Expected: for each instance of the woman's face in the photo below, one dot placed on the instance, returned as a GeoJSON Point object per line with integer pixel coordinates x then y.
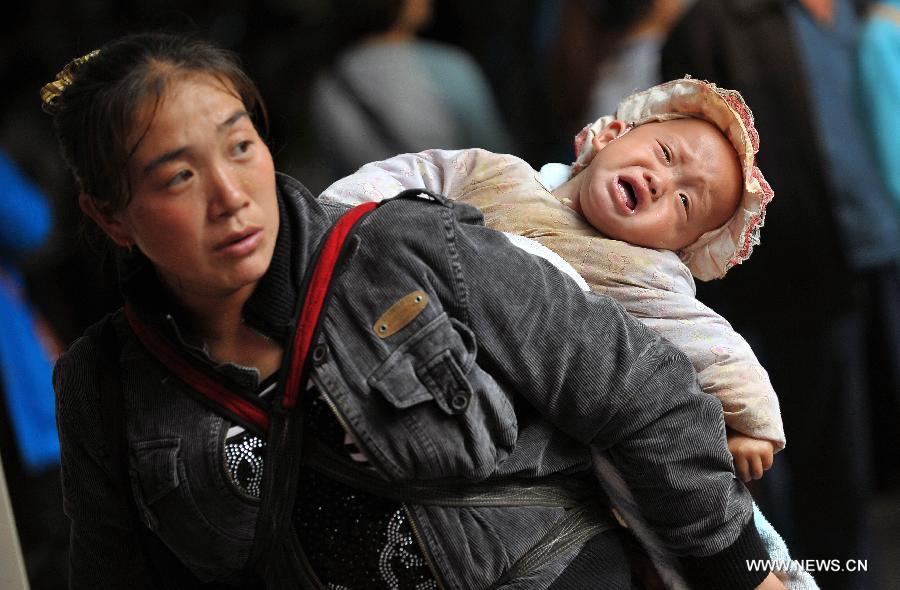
{"type": "Point", "coordinates": [203, 207]}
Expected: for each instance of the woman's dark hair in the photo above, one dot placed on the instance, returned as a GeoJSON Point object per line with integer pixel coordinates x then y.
{"type": "Point", "coordinates": [95, 113]}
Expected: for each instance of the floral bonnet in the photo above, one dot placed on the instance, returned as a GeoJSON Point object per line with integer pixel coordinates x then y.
{"type": "Point", "coordinates": [717, 250]}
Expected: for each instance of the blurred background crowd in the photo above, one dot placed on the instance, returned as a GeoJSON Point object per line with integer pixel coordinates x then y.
{"type": "Point", "coordinates": [351, 81]}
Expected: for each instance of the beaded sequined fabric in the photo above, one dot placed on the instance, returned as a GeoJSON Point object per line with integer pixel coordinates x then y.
{"type": "Point", "coordinates": [352, 539]}
{"type": "Point", "coordinates": [245, 452]}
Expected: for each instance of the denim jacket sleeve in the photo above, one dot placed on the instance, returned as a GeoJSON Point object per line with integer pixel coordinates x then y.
{"type": "Point", "coordinates": [592, 369]}
{"type": "Point", "coordinates": [104, 549]}
{"type": "Point", "coordinates": [608, 381]}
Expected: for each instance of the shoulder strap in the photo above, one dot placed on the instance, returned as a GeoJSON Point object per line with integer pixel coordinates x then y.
{"type": "Point", "coordinates": [284, 441]}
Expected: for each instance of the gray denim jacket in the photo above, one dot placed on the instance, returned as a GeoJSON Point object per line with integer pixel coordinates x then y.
{"type": "Point", "coordinates": [508, 370]}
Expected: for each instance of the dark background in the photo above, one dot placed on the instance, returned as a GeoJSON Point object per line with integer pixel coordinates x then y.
{"type": "Point", "coordinates": [283, 44]}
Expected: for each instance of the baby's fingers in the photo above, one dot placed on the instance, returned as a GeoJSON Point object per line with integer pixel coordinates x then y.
{"type": "Point", "coordinates": [741, 468]}
{"type": "Point", "coordinates": [767, 460]}
{"type": "Point", "coordinates": [756, 467]}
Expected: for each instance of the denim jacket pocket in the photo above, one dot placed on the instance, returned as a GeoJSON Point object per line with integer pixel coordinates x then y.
{"type": "Point", "coordinates": [153, 474]}
{"type": "Point", "coordinates": [207, 542]}
{"type": "Point", "coordinates": [450, 418]}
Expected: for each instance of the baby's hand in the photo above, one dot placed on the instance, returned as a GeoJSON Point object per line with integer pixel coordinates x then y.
{"type": "Point", "coordinates": [751, 455]}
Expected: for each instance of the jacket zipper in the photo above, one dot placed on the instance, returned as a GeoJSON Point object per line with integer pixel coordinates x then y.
{"type": "Point", "coordinates": [414, 527]}
{"type": "Point", "coordinates": [344, 424]}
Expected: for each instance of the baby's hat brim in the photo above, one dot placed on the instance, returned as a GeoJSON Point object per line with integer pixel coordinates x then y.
{"type": "Point", "coordinates": [716, 251]}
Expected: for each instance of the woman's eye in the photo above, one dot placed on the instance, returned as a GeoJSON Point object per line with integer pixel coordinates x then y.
{"type": "Point", "coordinates": [180, 177]}
{"type": "Point", "coordinates": [685, 202]}
{"type": "Point", "coordinates": [242, 147]}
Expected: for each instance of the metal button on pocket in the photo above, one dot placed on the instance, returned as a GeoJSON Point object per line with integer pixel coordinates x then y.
{"type": "Point", "coordinates": [459, 401]}
{"type": "Point", "coordinates": [320, 354]}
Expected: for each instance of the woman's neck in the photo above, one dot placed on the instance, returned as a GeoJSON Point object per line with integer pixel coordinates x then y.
{"type": "Point", "coordinates": [218, 321]}
{"type": "Point", "coordinates": [214, 317]}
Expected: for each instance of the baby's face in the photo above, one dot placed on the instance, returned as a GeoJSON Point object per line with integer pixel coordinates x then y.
{"type": "Point", "coordinates": [661, 185]}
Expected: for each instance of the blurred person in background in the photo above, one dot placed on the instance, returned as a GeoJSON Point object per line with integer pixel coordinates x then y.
{"type": "Point", "coordinates": [820, 321]}
{"type": "Point", "coordinates": [636, 63]}
{"type": "Point", "coordinates": [879, 67]}
{"type": "Point", "coordinates": [391, 92]}
{"type": "Point", "coordinates": [572, 38]}
{"type": "Point", "coordinates": [28, 440]}
{"type": "Point", "coordinates": [879, 90]}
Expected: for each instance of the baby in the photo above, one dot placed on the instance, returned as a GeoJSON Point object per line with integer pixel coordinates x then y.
{"type": "Point", "coordinates": [666, 189]}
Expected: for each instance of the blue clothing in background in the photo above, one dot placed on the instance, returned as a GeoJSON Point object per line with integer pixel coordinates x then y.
{"type": "Point", "coordinates": [868, 220]}
{"type": "Point", "coordinates": [25, 369]}
{"type": "Point", "coordinates": [879, 88]}
{"type": "Point", "coordinates": [26, 218]}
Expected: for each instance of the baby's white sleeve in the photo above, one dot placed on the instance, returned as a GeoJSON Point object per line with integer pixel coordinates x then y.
{"type": "Point", "coordinates": [436, 170]}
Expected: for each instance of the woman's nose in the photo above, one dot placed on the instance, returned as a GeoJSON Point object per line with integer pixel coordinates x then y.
{"type": "Point", "coordinates": [226, 194]}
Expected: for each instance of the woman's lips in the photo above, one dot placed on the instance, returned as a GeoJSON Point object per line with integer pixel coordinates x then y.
{"type": "Point", "coordinates": [241, 244]}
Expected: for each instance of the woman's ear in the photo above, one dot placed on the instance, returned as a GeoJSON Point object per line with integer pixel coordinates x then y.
{"type": "Point", "coordinates": [613, 129]}
{"type": "Point", "coordinates": [110, 223]}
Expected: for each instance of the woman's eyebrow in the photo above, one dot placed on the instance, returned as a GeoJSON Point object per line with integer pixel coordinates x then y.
{"type": "Point", "coordinates": [166, 157]}
{"type": "Point", "coordinates": [230, 121]}
{"type": "Point", "coordinates": [177, 152]}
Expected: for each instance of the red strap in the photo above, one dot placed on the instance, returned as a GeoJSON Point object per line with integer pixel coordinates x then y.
{"type": "Point", "coordinates": [199, 381]}
{"type": "Point", "coordinates": [315, 298]}
{"type": "Point", "coordinates": [218, 394]}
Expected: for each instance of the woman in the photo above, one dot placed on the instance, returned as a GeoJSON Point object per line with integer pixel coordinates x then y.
{"type": "Point", "coordinates": [444, 436]}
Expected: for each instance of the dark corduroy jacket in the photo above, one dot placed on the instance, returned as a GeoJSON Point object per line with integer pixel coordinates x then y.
{"type": "Point", "coordinates": [509, 371]}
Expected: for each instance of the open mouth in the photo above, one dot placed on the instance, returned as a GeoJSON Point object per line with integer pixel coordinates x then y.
{"type": "Point", "coordinates": [630, 199]}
